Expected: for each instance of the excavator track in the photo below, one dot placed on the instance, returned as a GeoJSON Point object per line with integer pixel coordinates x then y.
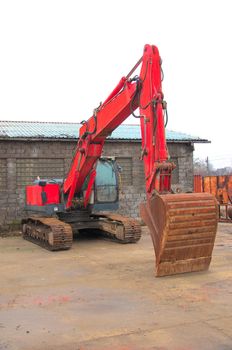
{"type": "Point", "coordinates": [119, 228]}
{"type": "Point", "coordinates": [49, 233]}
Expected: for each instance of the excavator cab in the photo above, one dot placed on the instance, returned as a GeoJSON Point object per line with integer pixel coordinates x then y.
{"type": "Point", "coordinates": [106, 186]}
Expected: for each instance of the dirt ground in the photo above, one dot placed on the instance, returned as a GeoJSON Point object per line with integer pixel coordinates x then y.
{"type": "Point", "coordinates": [103, 295]}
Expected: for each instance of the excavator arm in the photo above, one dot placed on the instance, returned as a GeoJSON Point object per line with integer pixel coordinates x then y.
{"type": "Point", "coordinates": [142, 91]}
{"type": "Point", "coordinates": [182, 226]}
{"type": "Point", "coordinates": [106, 118]}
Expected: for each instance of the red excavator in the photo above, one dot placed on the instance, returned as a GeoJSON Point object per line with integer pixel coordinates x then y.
{"type": "Point", "coordinates": [182, 226]}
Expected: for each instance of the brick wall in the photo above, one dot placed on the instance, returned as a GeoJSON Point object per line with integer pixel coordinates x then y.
{"type": "Point", "coordinates": [22, 161]}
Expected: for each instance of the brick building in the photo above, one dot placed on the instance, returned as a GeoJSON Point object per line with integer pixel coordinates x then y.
{"type": "Point", "coordinates": [31, 149]}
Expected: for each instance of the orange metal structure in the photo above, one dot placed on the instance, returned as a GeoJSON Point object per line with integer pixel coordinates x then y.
{"type": "Point", "coordinates": [221, 187]}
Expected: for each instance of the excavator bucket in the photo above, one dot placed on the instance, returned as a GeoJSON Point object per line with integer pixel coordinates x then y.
{"type": "Point", "coordinates": [183, 230]}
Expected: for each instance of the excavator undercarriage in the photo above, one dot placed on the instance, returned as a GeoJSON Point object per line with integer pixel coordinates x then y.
{"type": "Point", "coordinates": [57, 234]}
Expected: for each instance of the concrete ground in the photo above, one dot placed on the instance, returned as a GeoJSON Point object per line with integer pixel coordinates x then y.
{"type": "Point", "coordinates": [103, 295]}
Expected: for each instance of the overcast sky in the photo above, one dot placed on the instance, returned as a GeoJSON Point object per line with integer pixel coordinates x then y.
{"type": "Point", "coordinates": [59, 59]}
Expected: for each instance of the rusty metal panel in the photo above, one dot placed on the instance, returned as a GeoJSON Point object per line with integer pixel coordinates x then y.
{"type": "Point", "coordinates": [229, 188]}
{"type": "Point", "coordinates": [210, 185]}
{"type": "Point", "coordinates": [220, 187]}
{"type": "Point", "coordinates": [224, 193]}
{"type": "Point", "coordinates": [198, 184]}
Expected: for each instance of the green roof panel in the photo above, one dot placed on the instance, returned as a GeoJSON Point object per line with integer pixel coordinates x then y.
{"type": "Point", "coordinates": [56, 130]}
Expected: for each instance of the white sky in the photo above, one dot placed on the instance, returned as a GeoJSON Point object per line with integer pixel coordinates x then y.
{"type": "Point", "coordinates": [59, 59]}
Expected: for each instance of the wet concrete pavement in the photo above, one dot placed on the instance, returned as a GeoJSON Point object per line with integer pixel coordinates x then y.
{"type": "Point", "coordinates": [103, 295]}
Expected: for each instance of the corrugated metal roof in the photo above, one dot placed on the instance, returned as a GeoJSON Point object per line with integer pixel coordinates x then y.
{"type": "Point", "coordinates": [52, 130]}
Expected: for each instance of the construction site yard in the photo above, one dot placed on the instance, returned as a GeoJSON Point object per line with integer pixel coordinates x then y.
{"type": "Point", "coordinates": [102, 295]}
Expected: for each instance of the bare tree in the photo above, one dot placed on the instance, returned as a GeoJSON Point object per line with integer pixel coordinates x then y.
{"type": "Point", "coordinates": [202, 167]}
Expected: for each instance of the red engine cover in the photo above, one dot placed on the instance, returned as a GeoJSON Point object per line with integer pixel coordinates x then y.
{"type": "Point", "coordinates": [34, 194]}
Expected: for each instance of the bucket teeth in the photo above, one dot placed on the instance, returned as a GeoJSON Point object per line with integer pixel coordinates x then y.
{"type": "Point", "coordinates": [183, 230]}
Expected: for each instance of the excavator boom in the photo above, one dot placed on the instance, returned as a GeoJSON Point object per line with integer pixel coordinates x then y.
{"type": "Point", "coordinates": [182, 226]}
